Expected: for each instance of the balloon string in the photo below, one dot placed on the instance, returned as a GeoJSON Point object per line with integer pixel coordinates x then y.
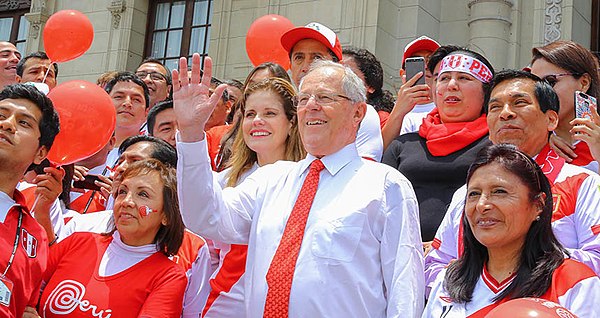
{"type": "Point", "coordinates": [47, 71]}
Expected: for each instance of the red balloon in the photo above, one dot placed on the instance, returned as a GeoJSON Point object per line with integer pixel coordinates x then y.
{"type": "Point", "coordinates": [530, 307]}
{"type": "Point", "coordinates": [263, 40]}
{"type": "Point", "coordinates": [67, 35]}
{"type": "Point", "coordinates": [87, 121]}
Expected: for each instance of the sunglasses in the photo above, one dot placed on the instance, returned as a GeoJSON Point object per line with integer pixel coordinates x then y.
{"type": "Point", "coordinates": [552, 79]}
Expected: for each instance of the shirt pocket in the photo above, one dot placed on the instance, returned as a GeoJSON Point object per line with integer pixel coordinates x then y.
{"type": "Point", "coordinates": [338, 239]}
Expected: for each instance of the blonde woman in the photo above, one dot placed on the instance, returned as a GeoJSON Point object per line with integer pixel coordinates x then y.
{"type": "Point", "coordinates": [269, 133]}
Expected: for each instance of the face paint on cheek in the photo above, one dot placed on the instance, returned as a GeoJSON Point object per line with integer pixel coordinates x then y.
{"type": "Point", "coordinates": [145, 211]}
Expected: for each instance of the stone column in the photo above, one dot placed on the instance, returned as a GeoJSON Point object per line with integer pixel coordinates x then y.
{"type": "Point", "coordinates": [489, 29]}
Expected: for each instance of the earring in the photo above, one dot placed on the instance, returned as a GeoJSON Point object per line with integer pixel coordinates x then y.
{"type": "Point", "coordinates": [537, 218]}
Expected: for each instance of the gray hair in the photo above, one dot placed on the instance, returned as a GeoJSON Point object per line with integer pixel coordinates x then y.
{"type": "Point", "coordinates": [352, 85]}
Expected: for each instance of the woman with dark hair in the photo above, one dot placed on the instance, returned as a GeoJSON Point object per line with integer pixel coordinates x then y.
{"type": "Point", "coordinates": [127, 272]}
{"type": "Point", "coordinates": [268, 133]}
{"type": "Point", "coordinates": [220, 140]}
{"type": "Point", "coordinates": [510, 250]}
{"type": "Point", "coordinates": [436, 158]}
{"type": "Point", "coordinates": [569, 67]}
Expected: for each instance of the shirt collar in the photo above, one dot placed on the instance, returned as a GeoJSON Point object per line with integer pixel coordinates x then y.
{"type": "Point", "coordinates": [7, 203]}
{"type": "Point", "coordinates": [334, 162]}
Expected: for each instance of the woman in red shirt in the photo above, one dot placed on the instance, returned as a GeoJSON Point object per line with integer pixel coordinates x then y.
{"type": "Point", "coordinates": [125, 273]}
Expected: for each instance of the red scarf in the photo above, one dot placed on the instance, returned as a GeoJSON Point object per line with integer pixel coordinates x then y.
{"type": "Point", "coordinates": [584, 155]}
{"type": "Point", "coordinates": [550, 162]}
{"type": "Point", "coordinates": [444, 139]}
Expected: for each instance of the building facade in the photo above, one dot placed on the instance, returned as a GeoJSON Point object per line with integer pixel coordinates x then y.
{"type": "Point", "coordinates": [126, 31]}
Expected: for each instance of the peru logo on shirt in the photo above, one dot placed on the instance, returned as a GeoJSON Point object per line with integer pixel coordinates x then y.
{"type": "Point", "coordinates": [29, 243]}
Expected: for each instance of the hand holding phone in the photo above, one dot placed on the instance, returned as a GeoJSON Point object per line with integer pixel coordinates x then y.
{"type": "Point", "coordinates": [87, 183]}
{"type": "Point", "coordinates": [583, 105]}
{"type": "Point", "coordinates": [414, 65]}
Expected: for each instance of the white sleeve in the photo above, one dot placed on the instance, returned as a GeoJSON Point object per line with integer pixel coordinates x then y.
{"type": "Point", "coordinates": [587, 222]}
{"type": "Point", "coordinates": [369, 141]}
{"type": "Point", "coordinates": [202, 201]}
{"type": "Point", "coordinates": [402, 251]}
{"type": "Point", "coordinates": [198, 287]}
{"type": "Point", "coordinates": [445, 244]}
{"type": "Point", "coordinates": [580, 299]}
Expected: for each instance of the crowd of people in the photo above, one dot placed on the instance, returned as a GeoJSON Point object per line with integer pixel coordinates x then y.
{"type": "Point", "coordinates": [316, 193]}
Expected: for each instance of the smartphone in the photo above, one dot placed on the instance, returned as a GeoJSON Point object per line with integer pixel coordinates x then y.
{"type": "Point", "coordinates": [39, 169]}
{"type": "Point", "coordinates": [414, 65]}
{"type": "Point", "coordinates": [583, 105]}
{"type": "Point", "coordinates": [87, 183]}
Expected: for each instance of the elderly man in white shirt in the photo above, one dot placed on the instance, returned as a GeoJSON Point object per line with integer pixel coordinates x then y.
{"type": "Point", "coordinates": [358, 252]}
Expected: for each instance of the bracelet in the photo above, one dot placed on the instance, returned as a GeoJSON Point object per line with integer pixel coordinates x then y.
{"type": "Point", "coordinates": [54, 240]}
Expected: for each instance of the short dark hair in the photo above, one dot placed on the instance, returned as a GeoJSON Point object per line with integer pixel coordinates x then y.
{"type": "Point", "coordinates": [159, 62]}
{"type": "Point", "coordinates": [544, 93]}
{"type": "Point", "coordinates": [49, 124]}
{"type": "Point", "coordinates": [162, 150]}
{"type": "Point", "coordinates": [39, 55]}
{"type": "Point", "coordinates": [439, 54]}
{"type": "Point", "coordinates": [371, 68]}
{"type": "Point", "coordinates": [235, 83]}
{"type": "Point", "coordinates": [368, 64]}
{"type": "Point", "coordinates": [154, 111]}
{"type": "Point", "coordinates": [129, 77]}
{"type": "Point", "coordinates": [541, 254]}
{"type": "Point", "coordinates": [214, 82]}
{"type": "Point", "coordinates": [169, 237]}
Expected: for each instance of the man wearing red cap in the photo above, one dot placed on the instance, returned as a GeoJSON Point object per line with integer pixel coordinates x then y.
{"type": "Point", "coordinates": [318, 42]}
{"type": "Point", "coordinates": [416, 99]}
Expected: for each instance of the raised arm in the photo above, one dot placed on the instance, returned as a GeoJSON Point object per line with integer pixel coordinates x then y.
{"type": "Point", "coordinates": [204, 207]}
{"type": "Point", "coordinates": [191, 101]}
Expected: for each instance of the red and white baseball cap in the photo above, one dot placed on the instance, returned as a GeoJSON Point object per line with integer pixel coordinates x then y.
{"type": "Point", "coordinates": [314, 31]}
{"type": "Point", "coordinates": [422, 43]}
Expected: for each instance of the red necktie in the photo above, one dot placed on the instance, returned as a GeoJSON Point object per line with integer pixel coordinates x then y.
{"type": "Point", "coordinates": [281, 271]}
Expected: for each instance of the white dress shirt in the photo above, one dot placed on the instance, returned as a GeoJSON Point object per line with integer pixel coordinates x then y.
{"type": "Point", "coordinates": [361, 254]}
{"type": "Point", "coordinates": [369, 141]}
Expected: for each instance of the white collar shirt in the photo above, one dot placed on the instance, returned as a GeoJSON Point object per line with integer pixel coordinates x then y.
{"type": "Point", "coordinates": [361, 254]}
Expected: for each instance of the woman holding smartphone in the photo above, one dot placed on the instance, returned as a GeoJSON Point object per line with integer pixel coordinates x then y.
{"type": "Point", "coordinates": [569, 67]}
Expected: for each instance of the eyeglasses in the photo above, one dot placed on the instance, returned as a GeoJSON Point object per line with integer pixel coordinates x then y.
{"type": "Point", "coordinates": [552, 79]}
{"type": "Point", "coordinates": [301, 100]}
{"type": "Point", "coordinates": [155, 76]}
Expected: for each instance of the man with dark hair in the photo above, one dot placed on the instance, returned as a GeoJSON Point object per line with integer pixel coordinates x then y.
{"type": "Point", "coordinates": [234, 89]}
{"type": "Point", "coordinates": [37, 68]}
{"type": "Point", "coordinates": [307, 44]}
{"type": "Point", "coordinates": [158, 79]}
{"type": "Point", "coordinates": [162, 123]}
{"type": "Point", "coordinates": [219, 114]}
{"type": "Point", "coordinates": [9, 58]}
{"type": "Point", "coordinates": [364, 64]}
{"type": "Point", "coordinates": [28, 126]}
{"type": "Point", "coordinates": [130, 97]}
{"type": "Point", "coordinates": [523, 111]}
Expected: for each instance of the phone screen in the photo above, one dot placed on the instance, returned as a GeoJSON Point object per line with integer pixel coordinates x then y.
{"type": "Point", "coordinates": [87, 183]}
{"type": "Point", "coordinates": [414, 65]}
{"type": "Point", "coordinates": [583, 105]}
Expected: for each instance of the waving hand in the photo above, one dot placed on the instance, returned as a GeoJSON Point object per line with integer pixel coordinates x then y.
{"type": "Point", "coordinates": [192, 102]}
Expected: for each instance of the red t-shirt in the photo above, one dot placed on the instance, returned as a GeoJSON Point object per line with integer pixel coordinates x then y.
{"type": "Point", "coordinates": [213, 139]}
{"type": "Point", "coordinates": [153, 287]}
{"type": "Point", "coordinates": [30, 259]}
